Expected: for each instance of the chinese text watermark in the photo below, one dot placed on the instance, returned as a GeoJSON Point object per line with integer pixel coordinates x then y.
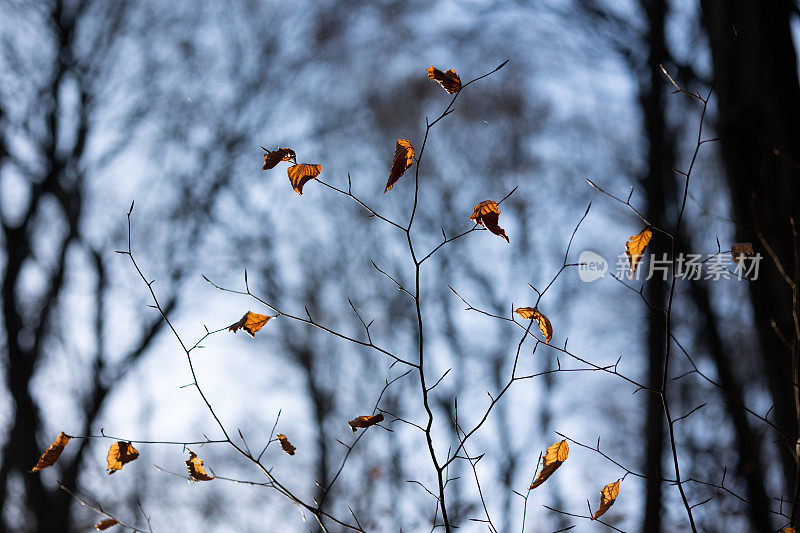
{"type": "Point", "coordinates": [691, 267]}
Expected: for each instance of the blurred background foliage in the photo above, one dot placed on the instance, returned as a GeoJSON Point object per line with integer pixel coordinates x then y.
{"type": "Point", "coordinates": [166, 103]}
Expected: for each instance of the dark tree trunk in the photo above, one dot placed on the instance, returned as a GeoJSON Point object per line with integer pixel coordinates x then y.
{"type": "Point", "coordinates": [659, 188]}
{"type": "Point", "coordinates": [748, 446]}
{"type": "Point", "coordinates": [759, 126]}
{"type": "Point", "coordinates": [24, 345]}
{"type": "Point", "coordinates": [56, 177]}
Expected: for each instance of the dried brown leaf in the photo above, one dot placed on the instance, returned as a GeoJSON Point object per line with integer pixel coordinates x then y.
{"type": "Point", "coordinates": [403, 159]}
{"type": "Point", "coordinates": [119, 454]}
{"type": "Point", "coordinates": [545, 327]}
{"type": "Point", "coordinates": [102, 525]}
{"type": "Point", "coordinates": [449, 80]}
{"type": "Point", "coordinates": [741, 250]}
{"type": "Point", "coordinates": [272, 158]}
{"type": "Point", "coordinates": [300, 174]}
{"type": "Point", "coordinates": [196, 470]}
{"type": "Point", "coordinates": [250, 322]}
{"type": "Point", "coordinates": [285, 444]}
{"type": "Point", "coordinates": [52, 453]}
{"type": "Point", "coordinates": [607, 498]}
{"type": "Point", "coordinates": [554, 457]}
{"type": "Point", "coordinates": [635, 247]}
{"type": "Point", "coordinates": [365, 421]}
{"type": "Point", "coordinates": [487, 214]}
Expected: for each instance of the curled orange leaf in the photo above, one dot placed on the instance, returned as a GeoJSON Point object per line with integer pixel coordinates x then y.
{"type": "Point", "coordinates": [487, 214]}
{"type": "Point", "coordinates": [635, 247]}
{"type": "Point", "coordinates": [449, 80]}
{"type": "Point", "coordinates": [555, 455]}
{"type": "Point", "coordinates": [251, 322]}
{"type": "Point", "coordinates": [545, 327]}
{"type": "Point", "coordinates": [272, 158]}
{"type": "Point", "coordinates": [607, 498]}
{"type": "Point", "coordinates": [196, 470]}
{"type": "Point", "coordinates": [52, 453]}
{"type": "Point", "coordinates": [285, 444]}
{"type": "Point", "coordinates": [102, 525]}
{"type": "Point", "coordinates": [119, 454]}
{"type": "Point", "coordinates": [403, 159]}
{"type": "Point", "coordinates": [365, 421]}
{"type": "Point", "coordinates": [300, 174]}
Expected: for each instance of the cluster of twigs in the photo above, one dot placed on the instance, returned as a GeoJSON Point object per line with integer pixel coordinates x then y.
{"type": "Point", "coordinates": [418, 365]}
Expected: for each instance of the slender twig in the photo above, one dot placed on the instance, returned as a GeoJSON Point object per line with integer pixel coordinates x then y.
{"type": "Point", "coordinates": [587, 517]}
{"type": "Point", "coordinates": [417, 296]}
{"type": "Point", "coordinates": [99, 510]}
{"type": "Point", "coordinates": [315, 510]}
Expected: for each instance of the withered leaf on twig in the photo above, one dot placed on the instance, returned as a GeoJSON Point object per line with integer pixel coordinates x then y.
{"type": "Point", "coordinates": [449, 80]}
{"type": "Point", "coordinates": [300, 174]}
{"type": "Point", "coordinates": [196, 470]}
{"type": "Point", "coordinates": [403, 159]}
{"type": "Point", "coordinates": [285, 444]}
{"type": "Point", "coordinates": [365, 421]}
{"type": "Point", "coordinates": [607, 498]}
{"type": "Point", "coordinates": [119, 454]}
{"type": "Point", "coordinates": [635, 247]}
{"type": "Point", "coordinates": [554, 457]}
{"type": "Point", "coordinates": [251, 322]}
{"type": "Point", "coordinates": [102, 525]}
{"type": "Point", "coordinates": [272, 158]}
{"type": "Point", "coordinates": [544, 323]}
{"type": "Point", "coordinates": [487, 214]}
{"type": "Point", "coordinates": [741, 250]}
{"type": "Point", "coordinates": [52, 453]}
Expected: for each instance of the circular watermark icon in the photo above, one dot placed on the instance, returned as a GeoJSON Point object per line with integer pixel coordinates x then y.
{"type": "Point", "coordinates": [591, 266]}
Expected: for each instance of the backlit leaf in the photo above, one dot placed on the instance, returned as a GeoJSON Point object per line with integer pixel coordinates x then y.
{"type": "Point", "coordinates": [607, 498]}
{"type": "Point", "coordinates": [449, 80]}
{"type": "Point", "coordinates": [119, 454]}
{"type": "Point", "coordinates": [52, 453]}
{"type": "Point", "coordinates": [196, 470]}
{"type": "Point", "coordinates": [102, 525]}
{"type": "Point", "coordinates": [741, 250]}
{"type": "Point", "coordinates": [365, 421]}
{"type": "Point", "coordinates": [300, 174]}
{"type": "Point", "coordinates": [487, 214]}
{"type": "Point", "coordinates": [545, 327]}
{"type": "Point", "coordinates": [272, 158]}
{"type": "Point", "coordinates": [553, 458]}
{"type": "Point", "coordinates": [635, 247]}
{"type": "Point", "coordinates": [251, 322]}
{"type": "Point", "coordinates": [285, 444]}
{"type": "Point", "coordinates": [403, 159]}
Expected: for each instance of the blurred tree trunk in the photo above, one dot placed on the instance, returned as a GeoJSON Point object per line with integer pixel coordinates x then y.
{"type": "Point", "coordinates": [660, 190]}
{"type": "Point", "coordinates": [56, 96]}
{"type": "Point", "coordinates": [749, 461]}
{"type": "Point", "coordinates": [322, 404]}
{"type": "Point", "coordinates": [59, 180]}
{"type": "Point", "coordinates": [759, 127]}
{"type": "Point", "coordinates": [55, 177]}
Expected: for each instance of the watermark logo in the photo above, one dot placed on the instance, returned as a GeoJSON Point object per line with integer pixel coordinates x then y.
{"type": "Point", "coordinates": [591, 266]}
{"type": "Point", "coordinates": [723, 265]}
